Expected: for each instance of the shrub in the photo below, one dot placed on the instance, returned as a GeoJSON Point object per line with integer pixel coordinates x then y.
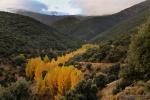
{"type": "Point", "coordinates": [89, 66]}
{"type": "Point", "coordinates": [107, 52]}
{"type": "Point", "coordinates": [100, 80]}
{"type": "Point", "coordinates": [16, 91]}
{"type": "Point", "coordinates": [148, 85]}
{"type": "Point", "coordinates": [85, 90]}
{"type": "Point", "coordinates": [112, 72]}
{"type": "Point", "coordinates": [121, 86]}
{"type": "Point", "coordinates": [111, 78]}
{"type": "Point", "coordinates": [20, 59]}
{"type": "Point", "coordinates": [115, 91]}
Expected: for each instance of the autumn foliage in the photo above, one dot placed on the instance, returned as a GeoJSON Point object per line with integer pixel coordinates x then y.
{"type": "Point", "coordinates": [53, 79]}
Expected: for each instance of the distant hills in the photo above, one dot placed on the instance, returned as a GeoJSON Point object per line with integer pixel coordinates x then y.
{"type": "Point", "coordinates": [97, 28]}
{"type": "Point", "coordinates": [46, 19]}
{"type": "Point", "coordinates": [20, 34]}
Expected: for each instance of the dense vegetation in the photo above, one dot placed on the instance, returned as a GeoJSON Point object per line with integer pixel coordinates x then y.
{"type": "Point", "coordinates": [136, 69]}
{"type": "Point", "coordinates": [111, 51]}
{"type": "Point", "coordinates": [139, 55]}
{"type": "Point", "coordinates": [24, 35]}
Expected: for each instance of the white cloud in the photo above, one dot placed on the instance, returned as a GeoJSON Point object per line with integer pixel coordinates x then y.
{"type": "Point", "coordinates": [31, 5]}
{"type": "Point", "coordinates": [43, 6]}
{"type": "Point", "coordinates": [99, 7]}
{"type": "Point", "coordinates": [65, 6]}
{"type": "Point", "coordinates": [86, 7]}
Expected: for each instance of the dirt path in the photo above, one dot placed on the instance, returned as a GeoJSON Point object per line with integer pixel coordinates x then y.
{"type": "Point", "coordinates": [106, 93]}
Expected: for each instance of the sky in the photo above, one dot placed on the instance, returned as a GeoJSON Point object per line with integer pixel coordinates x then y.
{"type": "Point", "coordinates": [71, 7]}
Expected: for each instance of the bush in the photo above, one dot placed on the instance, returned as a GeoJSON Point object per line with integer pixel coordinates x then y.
{"type": "Point", "coordinates": [112, 72]}
{"type": "Point", "coordinates": [16, 91]}
{"type": "Point", "coordinates": [121, 86]}
{"type": "Point", "coordinates": [89, 66]}
{"type": "Point", "coordinates": [148, 85]}
{"type": "Point", "coordinates": [111, 78]}
{"type": "Point", "coordinates": [85, 90]}
{"type": "Point", "coordinates": [20, 59]}
{"type": "Point", "coordinates": [115, 91]}
{"type": "Point", "coordinates": [107, 53]}
{"type": "Point", "coordinates": [115, 54]}
{"type": "Point", "coordinates": [100, 80]}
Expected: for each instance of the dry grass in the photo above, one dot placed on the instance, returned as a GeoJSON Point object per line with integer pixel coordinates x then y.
{"type": "Point", "coordinates": [106, 93]}
{"type": "Point", "coordinates": [97, 66]}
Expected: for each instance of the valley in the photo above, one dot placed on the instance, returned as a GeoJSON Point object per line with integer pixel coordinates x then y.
{"type": "Point", "coordinates": [75, 57]}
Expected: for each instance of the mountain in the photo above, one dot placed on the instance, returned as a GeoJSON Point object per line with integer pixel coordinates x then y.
{"type": "Point", "coordinates": [56, 13]}
{"type": "Point", "coordinates": [20, 34]}
{"type": "Point", "coordinates": [68, 24]}
{"type": "Point", "coordinates": [63, 23]}
{"type": "Point", "coordinates": [102, 27]}
{"type": "Point", "coordinates": [46, 19]}
{"type": "Point", "coordinates": [128, 25]}
{"type": "Point", "coordinates": [96, 28]}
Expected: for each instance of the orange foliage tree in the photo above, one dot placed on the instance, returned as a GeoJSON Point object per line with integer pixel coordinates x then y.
{"type": "Point", "coordinates": [51, 78]}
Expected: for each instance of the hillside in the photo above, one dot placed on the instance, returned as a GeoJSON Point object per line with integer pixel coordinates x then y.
{"type": "Point", "coordinates": [46, 19]}
{"type": "Point", "coordinates": [95, 28]}
{"type": "Point", "coordinates": [68, 23]}
{"type": "Point", "coordinates": [20, 34]}
{"type": "Point", "coordinates": [129, 25]}
{"type": "Point", "coordinates": [99, 27]}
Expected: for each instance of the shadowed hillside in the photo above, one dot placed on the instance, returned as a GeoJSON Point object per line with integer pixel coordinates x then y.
{"type": "Point", "coordinates": [93, 26]}
{"type": "Point", "coordinates": [19, 34]}
{"type": "Point", "coordinates": [131, 24]}
{"type": "Point", "coordinates": [97, 28]}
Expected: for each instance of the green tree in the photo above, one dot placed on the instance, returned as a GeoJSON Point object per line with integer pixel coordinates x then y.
{"type": "Point", "coordinates": [139, 54]}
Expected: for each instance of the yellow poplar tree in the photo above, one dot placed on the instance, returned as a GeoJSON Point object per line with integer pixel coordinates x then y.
{"type": "Point", "coordinates": [57, 80]}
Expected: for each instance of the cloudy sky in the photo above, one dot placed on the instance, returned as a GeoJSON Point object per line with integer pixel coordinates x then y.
{"type": "Point", "coordinates": [72, 7]}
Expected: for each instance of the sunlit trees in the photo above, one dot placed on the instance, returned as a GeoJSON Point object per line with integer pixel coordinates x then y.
{"type": "Point", "coordinates": [36, 66]}
{"type": "Point", "coordinates": [58, 81]}
{"type": "Point", "coordinates": [53, 78]}
{"type": "Point", "coordinates": [32, 66]}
